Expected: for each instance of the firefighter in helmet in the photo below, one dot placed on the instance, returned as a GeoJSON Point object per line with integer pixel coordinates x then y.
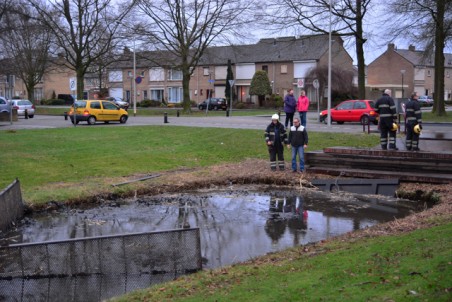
{"type": "Point", "coordinates": [414, 123]}
{"type": "Point", "coordinates": [387, 117]}
{"type": "Point", "coordinates": [275, 138]}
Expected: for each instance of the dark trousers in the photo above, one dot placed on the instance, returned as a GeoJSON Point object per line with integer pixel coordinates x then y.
{"type": "Point", "coordinates": [276, 151]}
{"type": "Point", "coordinates": [386, 135]}
{"type": "Point", "coordinates": [412, 139]}
{"type": "Point", "coordinates": [289, 119]}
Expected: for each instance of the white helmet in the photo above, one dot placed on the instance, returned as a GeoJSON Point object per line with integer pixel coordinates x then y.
{"type": "Point", "coordinates": [275, 117]}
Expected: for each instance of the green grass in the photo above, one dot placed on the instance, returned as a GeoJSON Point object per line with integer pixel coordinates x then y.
{"type": "Point", "coordinates": [409, 267]}
{"type": "Point", "coordinates": [67, 163]}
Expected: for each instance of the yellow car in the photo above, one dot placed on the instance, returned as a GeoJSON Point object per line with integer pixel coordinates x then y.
{"type": "Point", "coordinates": [91, 111]}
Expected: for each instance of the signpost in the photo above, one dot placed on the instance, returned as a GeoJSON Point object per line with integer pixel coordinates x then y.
{"type": "Point", "coordinates": [231, 83]}
{"type": "Point", "coordinates": [73, 87]}
{"type": "Point", "coordinates": [316, 85]}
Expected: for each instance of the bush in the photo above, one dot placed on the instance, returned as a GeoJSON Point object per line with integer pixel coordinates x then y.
{"type": "Point", "coordinates": [240, 105]}
{"type": "Point", "coordinates": [53, 102]}
{"type": "Point", "coordinates": [149, 103]}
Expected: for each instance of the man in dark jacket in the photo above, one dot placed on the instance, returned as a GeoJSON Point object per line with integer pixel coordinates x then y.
{"type": "Point", "coordinates": [298, 140]}
{"type": "Point", "coordinates": [290, 105]}
{"type": "Point", "coordinates": [275, 138]}
{"type": "Point", "coordinates": [388, 116]}
{"type": "Point", "coordinates": [413, 118]}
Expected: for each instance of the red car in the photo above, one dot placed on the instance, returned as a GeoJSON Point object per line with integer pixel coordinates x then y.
{"type": "Point", "coordinates": [362, 111]}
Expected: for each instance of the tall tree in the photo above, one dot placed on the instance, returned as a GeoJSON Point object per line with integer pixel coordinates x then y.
{"type": "Point", "coordinates": [27, 42]}
{"type": "Point", "coordinates": [260, 85]}
{"type": "Point", "coordinates": [229, 76]}
{"type": "Point", "coordinates": [347, 20]}
{"type": "Point", "coordinates": [429, 23]}
{"type": "Point", "coordinates": [84, 30]}
{"type": "Point", "coordinates": [187, 27]}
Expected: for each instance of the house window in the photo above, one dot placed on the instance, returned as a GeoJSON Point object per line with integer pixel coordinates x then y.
{"type": "Point", "coordinates": [142, 74]}
{"type": "Point", "coordinates": [283, 68]}
{"type": "Point", "coordinates": [175, 95]}
{"type": "Point", "coordinates": [157, 94]}
{"type": "Point", "coordinates": [265, 68]}
{"type": "Point", "coordinates": [156, 74]}
{"type": "Point", "coordinates": [129, 74]}
{"type": "Point", "coordinates": [174, 75]}
{"type": "Point", "coordinates": [206, 71]}
{"type": "Point", "coordinates": [429, 73]}
{"type": "Point", "coordinates": [145, 94]}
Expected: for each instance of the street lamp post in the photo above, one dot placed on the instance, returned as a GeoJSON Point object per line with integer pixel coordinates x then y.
{"type": "Point", "coordinates": [402, 72]}
{"type": "Point", "coordinates": [134, 80]}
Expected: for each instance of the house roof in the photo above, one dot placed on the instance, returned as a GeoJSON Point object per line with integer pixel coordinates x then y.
{"type": "Point", "coordinates": [283, 49]}
{"type": "Point", "coordinates": [417, 58]}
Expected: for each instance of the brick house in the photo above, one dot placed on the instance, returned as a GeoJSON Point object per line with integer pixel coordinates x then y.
{"type": "Point", "coordinates": [287, 60]}
{"type": "Point", "coordinates": [405, 71]}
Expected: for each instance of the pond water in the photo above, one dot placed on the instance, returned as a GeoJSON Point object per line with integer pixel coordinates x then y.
{"type": "Point", "coordinates": [236, 225]}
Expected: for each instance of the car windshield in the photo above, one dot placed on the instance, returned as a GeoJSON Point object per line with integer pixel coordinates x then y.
{"type": "Point", "coordinates": [24, 103]}
{"type": "Point", "coordinates": [80, 104]}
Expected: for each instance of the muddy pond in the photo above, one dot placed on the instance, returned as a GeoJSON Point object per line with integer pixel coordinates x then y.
{"type": "Point", "coordinates": [236, 224]}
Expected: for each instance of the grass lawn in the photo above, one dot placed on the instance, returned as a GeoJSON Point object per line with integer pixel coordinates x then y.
{"type": "Point", "coordinates": [61, 164]}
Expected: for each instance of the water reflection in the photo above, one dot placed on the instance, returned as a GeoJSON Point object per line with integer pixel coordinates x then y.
{"type": "Point", "coordinates": [235, 225]}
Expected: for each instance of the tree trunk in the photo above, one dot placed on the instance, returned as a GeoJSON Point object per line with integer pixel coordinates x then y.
{"type": "Point", "coordinates": [186, 90]}
{"type": "Point", "coordinates": [438, 106]}
{"type": "Point", "coordinates": [80, 84]}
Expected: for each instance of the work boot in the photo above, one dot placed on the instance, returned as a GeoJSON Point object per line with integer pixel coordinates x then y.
{"type": "Point", "coordinates": [416, 149]}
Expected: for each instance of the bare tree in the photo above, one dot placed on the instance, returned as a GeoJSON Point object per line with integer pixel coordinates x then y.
{"type": "Point", "coordinates": [347, 21]}
{"type": "Point", "coordinates": [429, 23]}
{"type": "Point", "coordinates": [84, 30]}
{"type": "Point", "coordinates": [342, 83]}
{"type": "Point", "coordinates": [186, 28]}
{"type": "Point", "coordinates": [27, 42]}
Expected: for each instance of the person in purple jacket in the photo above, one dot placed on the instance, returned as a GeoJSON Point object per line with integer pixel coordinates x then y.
{"type": "Point", "coordinates": [290, 105]}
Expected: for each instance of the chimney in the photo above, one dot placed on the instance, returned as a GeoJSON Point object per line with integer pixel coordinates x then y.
{"type": "Point", "coordinates": [391, 47]}
{"type": "Point", "coordinates": [412, 48]}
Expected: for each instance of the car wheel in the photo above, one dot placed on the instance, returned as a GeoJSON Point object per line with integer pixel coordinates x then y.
{"type": "Point", "coordinates": [91, 120]}
{"type": "Point", "coordinates": [325, 119]}
{"type": "Point", "coordinates": [31, 116]}
{"type": "Point", "coordinates": [365, 120]}
{"type": "Point", "coordinates": [200, 107]}
{"type": "Point", "coordinates": [215, 107]}
{"type": "Point", "coordinates": [123, 119]}
{"type": "Point", "coordinates": [339, 123]}
{"type": "Point", "coordinates": [107, 122]}
{"type": "Point", "coordinates": [72, 121]}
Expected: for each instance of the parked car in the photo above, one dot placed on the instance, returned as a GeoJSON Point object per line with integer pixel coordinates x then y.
{"type": "Point", "coordinates": [119, 101]}
{"type": "Point", "coordinates": [362, 111]}
{"type": "Point", "coordinates": [425, 101]}
{"type": "Point", "coordinates": [22, 105]}
{"type": "Point", "coordinates": [214, 104]}
{"type": "Point", "coordinates": [68, 99]}
{"type": "Point", "coordinates": [4, 105]}
{"type": "Point", "coordinates": [91, 111]}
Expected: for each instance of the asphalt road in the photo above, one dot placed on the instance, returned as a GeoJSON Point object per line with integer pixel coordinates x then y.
{"type": "Point", "coordinates": [239, 122]}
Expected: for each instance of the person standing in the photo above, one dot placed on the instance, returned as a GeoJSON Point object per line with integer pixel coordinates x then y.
{"type": "Point", "coordinates": [290, 105]}
{"type": "Point", "coordinates": [275, 137]}
{"type": "Point", "coordinates": [386, 109]}
{"type": "Point", "coordinates": [298, 141]}
{"type": "Point", "coordinates": [302, 107]}
{"type": "Point", "coordinates": [413, 118]}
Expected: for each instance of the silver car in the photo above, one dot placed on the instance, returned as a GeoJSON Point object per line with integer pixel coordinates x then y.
{"type": "Point", "coordinates": [4, 105]}
{"type": "Point", "coordinates": [22, 105]}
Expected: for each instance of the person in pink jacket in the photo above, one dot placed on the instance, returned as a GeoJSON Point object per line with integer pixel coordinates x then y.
{"type": "Point", "coordinates": [302, 107]}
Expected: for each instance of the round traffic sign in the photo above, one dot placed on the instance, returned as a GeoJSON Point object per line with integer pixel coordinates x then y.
{"type": "Point", "coordinates": [316, 84]}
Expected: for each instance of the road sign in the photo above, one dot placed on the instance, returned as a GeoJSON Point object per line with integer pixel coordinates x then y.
{"type": "Point", "coordinates": [211, 81]}
{"type": "Point", "coordinates": [316, 84]}
{"type": "Point", "coordinates": [73, 84]}
{"type": "Point", "coordinates": [138, 80]}
{"type": "Point", "coordinates": [300, 83]}
{"type": "Point", "coordinates": [231, 82]}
